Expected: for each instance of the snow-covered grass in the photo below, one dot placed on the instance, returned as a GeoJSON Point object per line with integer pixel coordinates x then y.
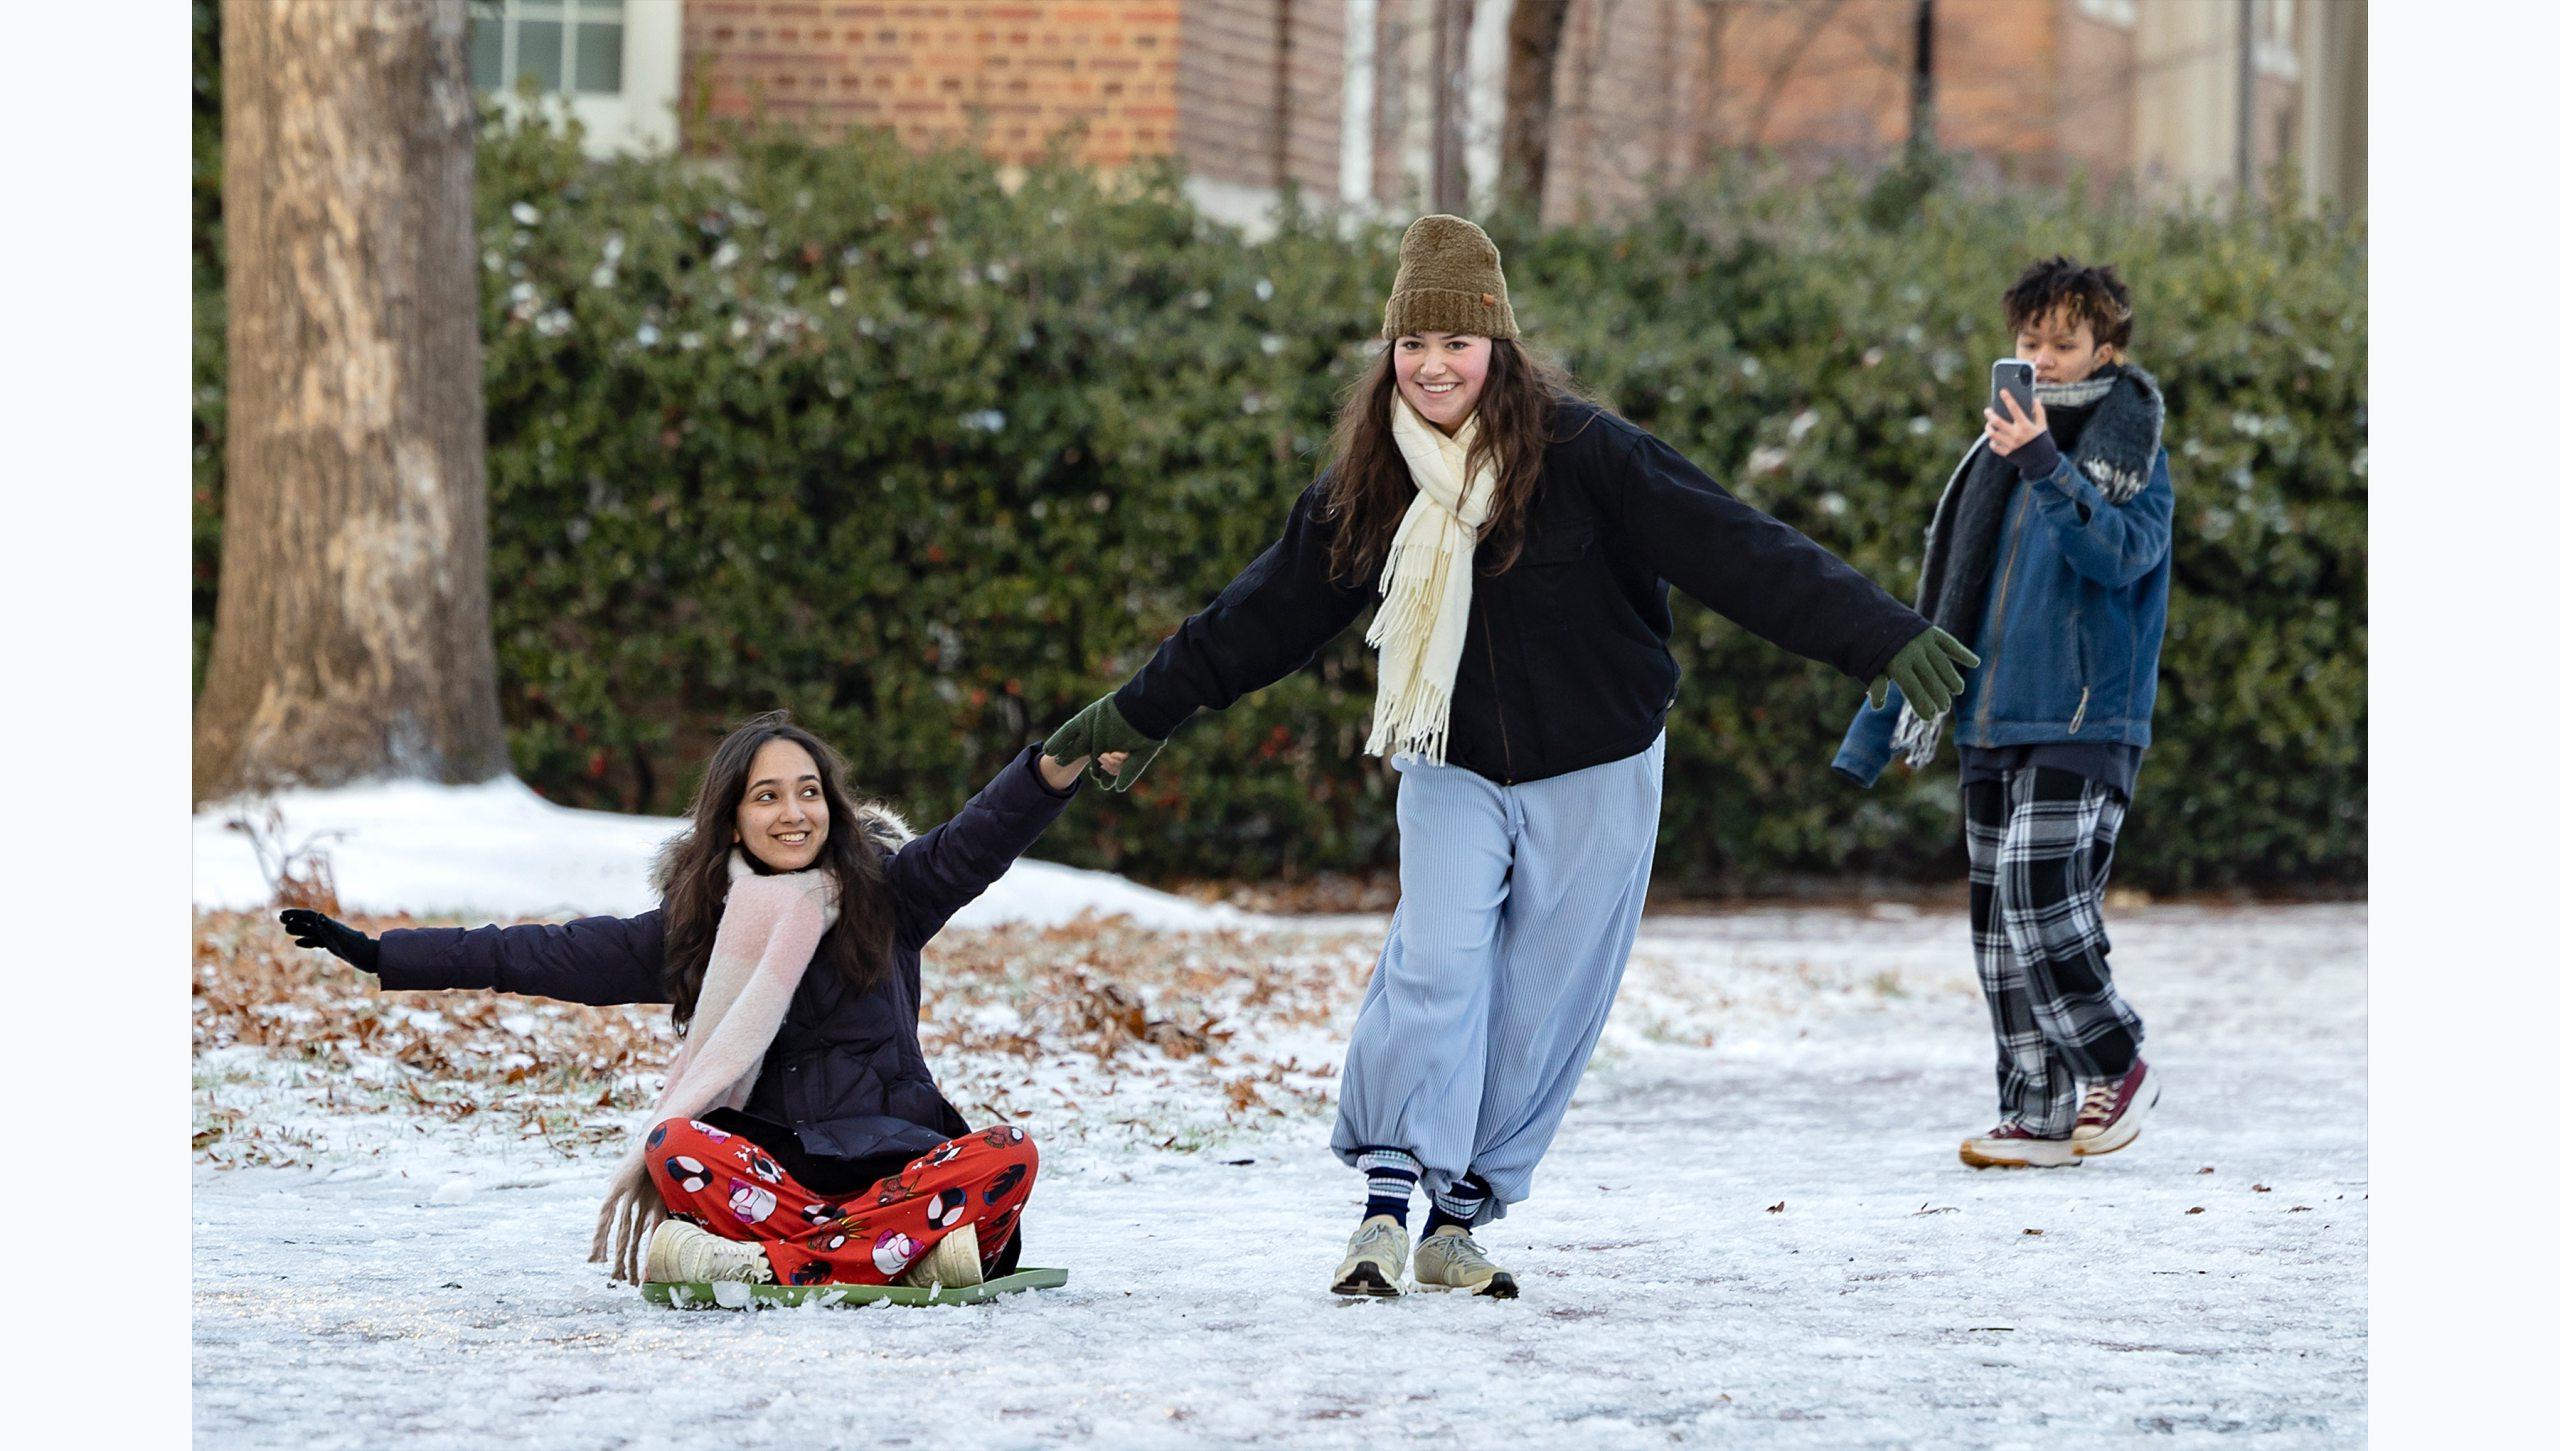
{"type": "Point", "coordinates": [497, 850]}
{"type": "Point", "coordinates": [1753, 1230]}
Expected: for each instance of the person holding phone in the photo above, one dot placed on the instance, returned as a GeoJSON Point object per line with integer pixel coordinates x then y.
{"type": "Point", "coordinates": [2048, 553]}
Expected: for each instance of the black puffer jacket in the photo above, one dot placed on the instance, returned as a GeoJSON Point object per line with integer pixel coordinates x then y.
{"type": "Point", "coordinates": [845, 1072]}
{"type": "Point", "coordinates": [1566, 663]}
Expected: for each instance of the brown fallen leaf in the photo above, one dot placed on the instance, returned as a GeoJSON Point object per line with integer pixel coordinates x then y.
{"type": "Point", "coordinates": [2031, 1231]}
{"type": "Point", "coordinates": [2199, 1209]}
{"type": "Point", "coordinates": [2260, 1188]}
{"type": "Point", "coordinates": [1778, 1208]}
{"type": "Point", "coordinates": [2207, 1169]}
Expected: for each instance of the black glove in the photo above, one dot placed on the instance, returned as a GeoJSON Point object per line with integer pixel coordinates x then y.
{"type": "Point", "coordinates": [318, 929]}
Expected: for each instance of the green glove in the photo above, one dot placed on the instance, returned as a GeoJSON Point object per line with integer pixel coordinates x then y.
{"type": "Point", "coordinates": [1926, 671]}
{"type": "Point", "coordinates": [1100, 728]}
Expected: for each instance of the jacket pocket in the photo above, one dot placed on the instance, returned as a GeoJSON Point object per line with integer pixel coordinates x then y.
{"type": "Point", "coordinates": [2079, 676]}
{"type": "Point", "coordinates": [1549, 583]}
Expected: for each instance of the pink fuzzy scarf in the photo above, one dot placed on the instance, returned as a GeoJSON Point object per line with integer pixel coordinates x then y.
{"type": "Point", "coordinates": [769, 929]}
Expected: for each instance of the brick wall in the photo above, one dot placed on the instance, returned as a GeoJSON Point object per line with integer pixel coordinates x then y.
{"type": "Point", "coordinates": [934, 69]}
{"type": "Point", "coordinates": [1618, 114]}
{"type": "Point", "coordinates": [1647, 91]}
{"type": "Point", "coordinates": [1236, 58]}
{"type": "Point", "coordinates": [1812, 80]}
{"type": "Point", "coordinates": [1998, 78]}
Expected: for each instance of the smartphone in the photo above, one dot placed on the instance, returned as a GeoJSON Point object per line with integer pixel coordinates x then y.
{"type": "Point", "coordinates": [2017, 378]}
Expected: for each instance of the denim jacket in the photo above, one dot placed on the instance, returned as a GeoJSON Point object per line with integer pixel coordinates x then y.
{"type": "Point", "coordinates": [2071, 630]}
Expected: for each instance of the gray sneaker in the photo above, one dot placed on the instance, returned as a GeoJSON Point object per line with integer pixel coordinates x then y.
{"type": "Point", "coordinates": [1374, 1265]}
{"type": "Point", "coordinates": [1451, 1260]}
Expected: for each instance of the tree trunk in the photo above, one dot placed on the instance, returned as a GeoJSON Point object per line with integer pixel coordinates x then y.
{"type": "Point", "coordinates": [1529, 104]}
{"type": "Point", "coordinates": [1452, 19]}
{"type": "Point", "coordinates": [352, 637]}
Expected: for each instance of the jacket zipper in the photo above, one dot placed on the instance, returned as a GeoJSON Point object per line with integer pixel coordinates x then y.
{"type": "Point", "coordinates": [2082, 713]}
{"type": "Point", "coordinates": [1999, 613]}
{"type": "Point", "coordinates": [1510, 773]}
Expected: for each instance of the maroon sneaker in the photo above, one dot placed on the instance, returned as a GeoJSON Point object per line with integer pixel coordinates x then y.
{"type": "Point", "coordinates": [2010, 1146]}
{"type": "Point", "coordinates": [2111, 1114]}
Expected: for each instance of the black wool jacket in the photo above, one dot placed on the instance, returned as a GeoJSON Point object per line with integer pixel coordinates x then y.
{"type": "Point", "coordinates": [1567, 663]}
{"type": "Point", "coordinates": [845, 1074]}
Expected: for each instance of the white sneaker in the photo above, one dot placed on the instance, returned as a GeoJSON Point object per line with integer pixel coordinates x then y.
{"type": "Point", "coordinates": [2010, 1146]}
{"type": "Point", "coordinates": [682, 1254]}
{"type": "Point", "coordinates": [1374, 1264]}
{"type": "Point", "coordinates": [953, 1262]}
{"type": "Point", "coordinates": [1450, 1259]}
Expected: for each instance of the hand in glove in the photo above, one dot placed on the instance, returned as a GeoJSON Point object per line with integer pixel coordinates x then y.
{"type": "Point", "coordinates": [318, 929]}
{"type": "Point", "coordinates": [1100, 730]}
{"type": "Point", "coordinates": [1926, 669]}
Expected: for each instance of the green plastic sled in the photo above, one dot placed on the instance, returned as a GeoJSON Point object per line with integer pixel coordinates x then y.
{"type": "Point", "coordinates": [731, 1295]}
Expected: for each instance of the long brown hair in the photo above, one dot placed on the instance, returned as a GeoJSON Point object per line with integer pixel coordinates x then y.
{"type": "Point", "coordinates": [1515, 416]}
{"type": "Point", "coordinates": [692, 873]}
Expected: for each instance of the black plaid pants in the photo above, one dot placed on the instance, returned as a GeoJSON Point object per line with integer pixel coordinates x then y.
{"type": "Point", "coordinates": [2040, 842]}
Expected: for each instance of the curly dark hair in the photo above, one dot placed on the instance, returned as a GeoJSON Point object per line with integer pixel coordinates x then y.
{"type": "Point", "coordinates": [2063, 288]}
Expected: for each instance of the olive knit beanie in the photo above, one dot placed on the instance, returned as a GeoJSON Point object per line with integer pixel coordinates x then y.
{"type": "Point", "coordinates": [1449, 280]}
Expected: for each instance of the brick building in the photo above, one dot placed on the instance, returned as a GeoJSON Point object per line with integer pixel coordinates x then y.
{"type": "Point", "coordinates": [1389, 104]}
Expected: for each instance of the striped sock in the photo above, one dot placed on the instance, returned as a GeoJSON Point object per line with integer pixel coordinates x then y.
{"type": "Point", "coordinates": [1459, 1204]}
{"type": "Point", "coordinates": [1392, 1173]}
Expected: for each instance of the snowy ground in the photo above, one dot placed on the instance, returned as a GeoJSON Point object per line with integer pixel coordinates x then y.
{"type": "Point", "coordinates": [1753, 1232]}
{"type": "Point", "coordinates": [499, 850]}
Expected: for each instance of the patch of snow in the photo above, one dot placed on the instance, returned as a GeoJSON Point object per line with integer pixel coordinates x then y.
{"type": "Point", "coordinates": [1767, 1243]}
{"type": "Point", "coordinates": [497, 850]}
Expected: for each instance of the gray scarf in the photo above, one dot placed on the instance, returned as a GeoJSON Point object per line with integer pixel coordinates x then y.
{"type": "Point", "coordinates": [2113, 432]}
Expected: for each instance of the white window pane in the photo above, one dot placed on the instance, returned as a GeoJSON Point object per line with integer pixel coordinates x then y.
{"type": "Point", "coordinates": [599, 56]}
{"type": "Point", "coordinates": [538, 52]}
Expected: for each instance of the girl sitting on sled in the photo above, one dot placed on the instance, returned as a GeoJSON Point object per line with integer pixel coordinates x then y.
{"type": "Point", "coordinates": [800, 1138]}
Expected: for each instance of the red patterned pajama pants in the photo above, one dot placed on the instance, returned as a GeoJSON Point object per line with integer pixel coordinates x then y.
{"type": "Point", "coordinates": [733, 1188]}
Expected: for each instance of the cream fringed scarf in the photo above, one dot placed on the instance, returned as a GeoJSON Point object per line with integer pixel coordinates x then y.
{"type": "Point", "coordinates": [768, 930]}
{"type": "Point", "coordinates": [1429, 583]}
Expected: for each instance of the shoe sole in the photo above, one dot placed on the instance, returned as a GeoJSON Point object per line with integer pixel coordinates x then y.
{"type": "Point", "coordinates": [1500, 1287]}
{"type": "Point", "coordinates": [2130, 1126]}
{"type": "Point", "coordinates": [1985, 1161]}
{"type": "Point", "coordinates": [1365, 1281]}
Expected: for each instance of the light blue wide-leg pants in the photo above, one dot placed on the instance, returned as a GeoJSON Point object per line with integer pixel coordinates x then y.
{"type": "Point", "coordinates": [1520, 906]}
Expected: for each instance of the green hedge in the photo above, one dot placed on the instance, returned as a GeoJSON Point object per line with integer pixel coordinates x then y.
{"type": "Point", "coordinates": [863, 433]}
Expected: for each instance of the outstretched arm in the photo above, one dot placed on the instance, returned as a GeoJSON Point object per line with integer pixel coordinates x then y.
{"type": "Point", "coordinates": [1265, 625]}
{"type": "Point", "coordinates": [1754, 570]}
{"type": "Point", "coordinates": [591, 960]}
{"type": "Point", "coordinates": [947, 867]}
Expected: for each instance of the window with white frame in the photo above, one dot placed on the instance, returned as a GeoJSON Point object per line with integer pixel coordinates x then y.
{"type": "Point", "coordinates": [2111, 12]}
{"type": "Point", "coordinates": [611, 62]}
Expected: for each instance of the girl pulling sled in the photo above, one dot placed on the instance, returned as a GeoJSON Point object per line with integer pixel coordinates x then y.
{"type": "Point", "coordinates": [1522, 542]}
